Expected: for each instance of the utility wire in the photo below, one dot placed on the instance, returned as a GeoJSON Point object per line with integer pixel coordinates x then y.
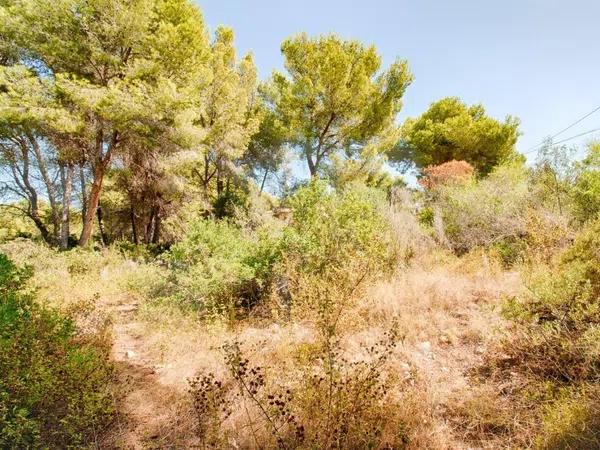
{"type": "Point", "coordinates": [568, 139]}
{"type": "Point", "coordinates": [581, 119]}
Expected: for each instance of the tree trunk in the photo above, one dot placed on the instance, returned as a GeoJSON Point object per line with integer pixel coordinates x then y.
{"type": "Point", "coordinates": [91, 207]}
{"type": "Point", "coordinates": [32, 196]}
{"type": "Point", "coordinates": [156, 234]}
{"type": "Point", "coordinates": [84, 199]}
{"type": "Point", "coordinates": [150, 226]}
{"type": "Point", "coordinates": [66, 175]}
{"type": "Point", "coordinates": [311, 164]}
{"type": "Point", "coordinates": [101, 224]}
{"type": "Point", "coordinates": [134, 232]}
{"type": "Point", "coordinates": [50, 190]}
{"type": "Point", "coordinates": [262, 185]}
{"type": "Point", "coordinates": [100, 167]}
{"type": "Point", "coordinates": [220, 184]}
{"type": "Point", "coordinates": [41, 226]}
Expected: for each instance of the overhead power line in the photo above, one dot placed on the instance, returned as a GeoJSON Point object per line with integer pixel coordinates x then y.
{"type": "Point", "coordinates": [581, 119]}
{"type": "Point", "coordinates": [568, 139]}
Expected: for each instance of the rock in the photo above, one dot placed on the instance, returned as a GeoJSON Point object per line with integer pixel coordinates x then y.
{"type": "Point", "coordinates": [130, 354]}
{"type": "Point", "coordinates": [425, 347]}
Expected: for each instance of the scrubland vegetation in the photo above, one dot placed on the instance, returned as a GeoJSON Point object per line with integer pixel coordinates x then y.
{"type": "Point", "coordinates": [167, 280]}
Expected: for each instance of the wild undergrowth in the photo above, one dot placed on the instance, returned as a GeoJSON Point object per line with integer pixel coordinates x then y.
{"type": "Point", "coordinates": [56, 380]}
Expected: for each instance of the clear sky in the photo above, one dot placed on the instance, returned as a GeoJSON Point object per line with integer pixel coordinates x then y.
{"type": "Point", "coordinates": [538, 60]}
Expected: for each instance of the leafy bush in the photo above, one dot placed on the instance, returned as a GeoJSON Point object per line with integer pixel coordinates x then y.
{"type": "Point", "coordinates": [487, 211]}
{"type": "Point", "coordinates": [586, 191]}
{"type": "Point", "coordinates": [560, 317]}
{"type": "Point", "coordinates": [571, 422]}
{"type": "Point", "coordinates": [218, 267]}
{"type": "Point", "coordinates": [55, 383]}
{"type": "Point", "coordinates": [341, 237]}
{"type": "Point", "coordinates": [557, 343]}
{"type": "Point", "coordinates": [336, 242]}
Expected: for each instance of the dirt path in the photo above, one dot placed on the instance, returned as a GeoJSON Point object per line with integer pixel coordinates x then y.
{"type": "Point", "coordinates": [150, 411]}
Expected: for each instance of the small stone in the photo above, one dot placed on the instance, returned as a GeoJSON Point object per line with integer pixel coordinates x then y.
{"type": "Point", "coordinates": [444, 339]}
{"type": "Point", "coordinates": [130, 354]}
{"type": "Point", "coordinates": [425, 347]}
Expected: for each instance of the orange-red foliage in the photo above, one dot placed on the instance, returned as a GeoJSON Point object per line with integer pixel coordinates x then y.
{"type": "Point", "coordinates": [451, 171]}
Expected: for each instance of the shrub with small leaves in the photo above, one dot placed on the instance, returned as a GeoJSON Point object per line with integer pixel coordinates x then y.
{"type": "Point", "coordinates": [55, 383]}
{"type": "Point", "coordinates": [221, 269]}
{"type": "Point", "coordinates": [555, 345]}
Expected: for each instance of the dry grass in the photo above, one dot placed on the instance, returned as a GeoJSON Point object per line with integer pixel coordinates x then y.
{"type": "Point", "coordinates": [446, 309]}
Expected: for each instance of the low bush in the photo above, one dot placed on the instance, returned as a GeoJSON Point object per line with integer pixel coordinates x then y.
{"type": "Point", "coordinates": [572, 421]}
{"type": "Point", "coordinates": [560, 316]}
{"type": "Point", "coordinates": [219, 268]}
{"type": "Point", "coordinates": [556, 344]}
{"type": "Point", "coordinates": [585, 194]}
{"type": "Point", "coordinates": [55, 383]}
{"type": "Point", "coordinates": [335, 240]}
{"type": "Point", "coordinates": [485, 212]}
{"type": "Point", "coordinates": [336, 243]}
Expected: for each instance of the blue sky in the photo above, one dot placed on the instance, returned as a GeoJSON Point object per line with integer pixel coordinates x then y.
{"type": "Point", "coordinates": [538, 60]}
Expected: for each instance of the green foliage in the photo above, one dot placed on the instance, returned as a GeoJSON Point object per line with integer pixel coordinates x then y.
{"type": "Point", "coordinates": [451, 130]}
{"type": "Point", "coordinates": [485, 212]}
{"type": "Point", "coordinates": [426, 216]}
{"type": "Point", "coordinates": [585, 195]}
{"type": "Point", "coordinates": [15, 225]}
{"type": "Point", "coordinates": [571, 422]}
{"type": "Point", "coordinates": [99, 78]}
{"type": "Point", "coordinates": [556, 343]}
{"type": "Point", "coordinates": [334, 98]}
{"type": "Point", "coordinates": [55, 384]}
{"type": "Point", "coordinates": [331, 229]}
{"type": "Point", "coordinates": [336, 244]}
{"type": "Point", "coordinates": [219, 268]}
{"type": "Point", "coordinates": [267, 149]}
{"type": "Point", "coordinates": [552, 177]}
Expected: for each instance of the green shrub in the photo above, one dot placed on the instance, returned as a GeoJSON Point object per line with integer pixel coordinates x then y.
{"type": "Point", "coordinates": [510, 251]}
{"type": "Point", "coordinates": [55, 384]}
{"type": "Point", "coordinates": [556, 344]}
{"type": "Point", "coordinates": [336, 226]}
{"type": "Point", "coordinates": [585, 194]}
{"type": "Point", "coordinates": [338, 237]}
{"type": "Point", "coordinates": [485, 212]}
{"type": "Point", "coordinates": [426, 216]}
{"type": "Point", "coordinates": [219, 268]}
{"type": "Point", "coordinates": [560, 316]}
{"type": "Point", "coordinates": [139, 252]}
{"type": "Point", "coordinates": [571, 422]}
